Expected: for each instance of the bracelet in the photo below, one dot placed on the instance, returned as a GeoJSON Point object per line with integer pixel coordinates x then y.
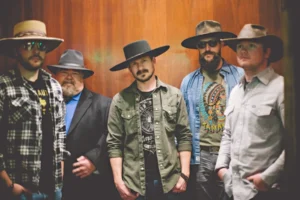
{"type": "Point", "coordinates": [186, 179]}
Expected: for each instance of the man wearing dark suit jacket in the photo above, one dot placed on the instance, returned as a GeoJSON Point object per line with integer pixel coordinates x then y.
{"type": "Point", "coordinates": [87, 173]}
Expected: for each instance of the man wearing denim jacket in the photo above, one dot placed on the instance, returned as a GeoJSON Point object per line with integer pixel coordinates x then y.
{"type": "Point", "coordinates": [143, 122]}
{"type": "Point", "coordinates": [205, 92]}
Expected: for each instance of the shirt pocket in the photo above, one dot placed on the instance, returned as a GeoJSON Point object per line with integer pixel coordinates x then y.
{"type": "Point", "coordinates": [170, 117]}
{"type": "Point", "coordinates": [130, 121]}
{"type": "Point", "coordinates": [262, 119]}
{"type": "Point", "coordinates": [20, 111]}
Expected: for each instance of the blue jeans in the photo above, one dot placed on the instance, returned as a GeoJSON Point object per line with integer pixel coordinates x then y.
{"type": "Point", "coordinates": [41, 196]}
{"type": "Point", "coordinates": [204, 184]}
{"type": "Point", "coordinates": [154, 191]}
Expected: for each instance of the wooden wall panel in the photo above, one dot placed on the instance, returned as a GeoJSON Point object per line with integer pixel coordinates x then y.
{"type": "Point", "coordinates": [100, 29]}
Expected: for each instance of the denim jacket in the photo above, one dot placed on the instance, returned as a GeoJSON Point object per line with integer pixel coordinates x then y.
{"type": "Point", "coordinates": [191, 87]}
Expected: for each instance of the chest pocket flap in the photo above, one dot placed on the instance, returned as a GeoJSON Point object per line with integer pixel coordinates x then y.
{"type": "Point", "coordinates": [20, 109]}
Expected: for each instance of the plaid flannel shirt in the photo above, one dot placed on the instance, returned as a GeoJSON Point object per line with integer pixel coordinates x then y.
{"type": "Point", "coordinates": [21, 128]}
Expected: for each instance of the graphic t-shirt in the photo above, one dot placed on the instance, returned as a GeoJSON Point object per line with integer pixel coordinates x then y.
{"type": "Point", "coordinates": [46, 176]}
{"type": "Point", "coordinates": [147, 121]}
{"type": "Point", "coordinates": [212, 107]}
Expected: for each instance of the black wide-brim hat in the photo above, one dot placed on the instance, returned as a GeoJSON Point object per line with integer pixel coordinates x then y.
{"type": "Point", "coordinates": [137, 50]}
{"type": "Point", "coordinates": [254, 32]}
{"type": "Point", "coordinates": [207, 28]}
{"type": "Point", "coordinates": [71, 59]}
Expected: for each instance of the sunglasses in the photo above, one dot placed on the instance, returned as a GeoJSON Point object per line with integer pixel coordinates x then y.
{"type": "Point", "coordinates": [211, 43]}
{"type": "Point", "coordinates": [29, 45]}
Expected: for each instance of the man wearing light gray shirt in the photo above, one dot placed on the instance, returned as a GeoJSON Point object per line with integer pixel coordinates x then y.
{"type": "Point", "coordinates": [251, 156]}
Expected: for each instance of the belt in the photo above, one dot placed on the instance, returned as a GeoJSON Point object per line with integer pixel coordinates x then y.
{"type": "Point", "coordinates": [212, 149]}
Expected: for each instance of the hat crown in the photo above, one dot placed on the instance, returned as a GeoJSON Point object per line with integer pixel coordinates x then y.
{"type": "Point", "coordinates": [208, 26]}
{"type": "Point", "coordinates": [252, 31]}
{"type": "Point", "coordinates": [30, 28]}
{"type": "Point", "coordinates": [72, 57]}
{"type": "Point", "coordinates": [136, 48]}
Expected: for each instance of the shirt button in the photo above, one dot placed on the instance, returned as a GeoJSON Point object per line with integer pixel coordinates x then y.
{"type": "Point", "coordinates": [160, 165]}
{"type": "Point", "coordinates": [158, 151]}
{"type": "Point", "coordinates": [137, 99]}
{"type": "Point", "coordinates": [142, 168]}
{"type": "Point", "coordinates": [156, 108]}
{"type": "Point", "coordinates": [156, 122]}
{"type": "Point", "coordinates": [128, 115]}
{"type": "Point", "coordinates": [157, 137]}
{"type": "Point", "coordinates": [154, 95]}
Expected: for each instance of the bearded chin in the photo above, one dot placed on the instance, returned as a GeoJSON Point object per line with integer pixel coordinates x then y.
{"type": "Point", "coordinates": [210, 66]}
{"type": "Point", "coordinates": [27, 66]}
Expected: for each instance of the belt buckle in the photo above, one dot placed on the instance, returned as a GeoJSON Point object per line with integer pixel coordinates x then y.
{"type": "Point", "coordinates": [214, 149]}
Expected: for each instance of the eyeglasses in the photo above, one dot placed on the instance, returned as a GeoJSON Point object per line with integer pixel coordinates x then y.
{"type": "Point", "coordinates": [211, 43]}
{"type": "Point", "coordinates": [29, 45]}
{"type": "Point", "coordinates": [72, 73]}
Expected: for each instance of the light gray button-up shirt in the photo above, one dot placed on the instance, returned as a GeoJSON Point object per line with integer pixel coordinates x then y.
{"type": "Point", "coordinates": [252, 140]}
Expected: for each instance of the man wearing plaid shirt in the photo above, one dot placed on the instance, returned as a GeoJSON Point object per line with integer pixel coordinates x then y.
{"type": "Point", "coordinates": [31, 118]}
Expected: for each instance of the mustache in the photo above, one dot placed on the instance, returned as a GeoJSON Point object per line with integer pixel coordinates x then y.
{"type": "Point", "coordinates": [68, 82]}
{"type": "Point", "coordinates": [36, 56]}
{"type": "Point", "coordinates": [142, 71]}
{"type": "Point", "coordinates": [209, 52]}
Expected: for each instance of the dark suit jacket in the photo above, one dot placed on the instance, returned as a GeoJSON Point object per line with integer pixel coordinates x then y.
{"type": "Point", "coordinates": [87, 137]}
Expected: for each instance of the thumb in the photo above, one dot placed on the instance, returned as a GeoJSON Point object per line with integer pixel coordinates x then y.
{"type": "Point", "coordinates": [250, 178]}
{"type": "Point", "coordinates": [80, 158]}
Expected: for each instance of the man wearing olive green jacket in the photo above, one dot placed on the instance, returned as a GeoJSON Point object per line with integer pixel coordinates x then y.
{"type": "Point", "coordinates": [143, 122]}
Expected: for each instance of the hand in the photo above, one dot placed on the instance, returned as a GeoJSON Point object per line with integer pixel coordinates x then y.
{"type": "Point", "coordinates": [180, 186]}
{"type": "Point", "coordinates": [19, 189]}
{"type": "Point", "coordinates": [258, 182]}
{"type": "Point", "coordinates": [124, 191]}
{"type": "Point", "coordinates": [84, 167]}
{"type": "Point", "coordinates": [221, 173]}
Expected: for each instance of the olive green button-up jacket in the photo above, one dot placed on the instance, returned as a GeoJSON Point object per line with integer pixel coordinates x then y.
{"type": "Point", "coordinates": [125, 134]}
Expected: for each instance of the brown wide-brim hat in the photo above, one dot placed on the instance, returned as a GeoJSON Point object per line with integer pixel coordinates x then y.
{"type": "Point", "coordinates": [28, 30]}
{"type": "Point", "coordinates": [207, 28]}
{"type": "Point", "coordinates": [71, 59]}
{"type": "Point", "coordinates": [258, 33]}
{"type": "Point", "coordinates": [137, 50]}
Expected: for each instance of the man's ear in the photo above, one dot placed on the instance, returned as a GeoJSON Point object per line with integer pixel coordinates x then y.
{"type": "Point", "coordinates": [154, 60]}
{"type": "Point", "coordinates": [268, 53]}
{"type": "Point", "coordinates": [222, 43]}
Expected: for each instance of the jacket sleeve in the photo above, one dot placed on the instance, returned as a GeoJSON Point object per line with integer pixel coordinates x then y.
{"type": "Point", "coordinates": [98, 153]}
{"type": "Point", "coordinates": [2, 132]}
{"type": "Point", "coordinates": [115, 135]}
{"type": "Point", "coordinates": [183, 132]}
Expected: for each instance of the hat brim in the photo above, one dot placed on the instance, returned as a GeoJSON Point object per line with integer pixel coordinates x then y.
{"type": "Point", "coordinates": [86, 72]}
{"type": "Point", "coordinates": [271, 41]}
{"type": "Point", "coordinates": [154, 52]}
{"type": "Point", "coordinates": [7, 44]}
{"type": "Point", "coordinates": [191, 42]}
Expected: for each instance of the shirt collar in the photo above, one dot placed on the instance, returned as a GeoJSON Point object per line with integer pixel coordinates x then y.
{"type": "Point", "coordinates": [159, 84]}
{"type": "Point", "coordinates": [224, 69]}
{"type": "Point", "coordinates": [263, 76]}
{"type": "Point", "coordinates": [77, 96]}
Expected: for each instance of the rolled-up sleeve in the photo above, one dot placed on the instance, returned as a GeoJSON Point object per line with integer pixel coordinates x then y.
{"type": "Point", "coordinates": [115, 131]}
{"type": "Point", "coordinates": [183, 131]}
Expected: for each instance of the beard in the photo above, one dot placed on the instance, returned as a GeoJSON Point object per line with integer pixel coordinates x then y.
{"type": "Point", "coordinates": [69, 89]}
{"type": "Point", "coordinates": [27, 65]}
{"type": "Point", "coordinates": [146, 78]}
{"type": "Point", "coordinates": [210, 66]}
